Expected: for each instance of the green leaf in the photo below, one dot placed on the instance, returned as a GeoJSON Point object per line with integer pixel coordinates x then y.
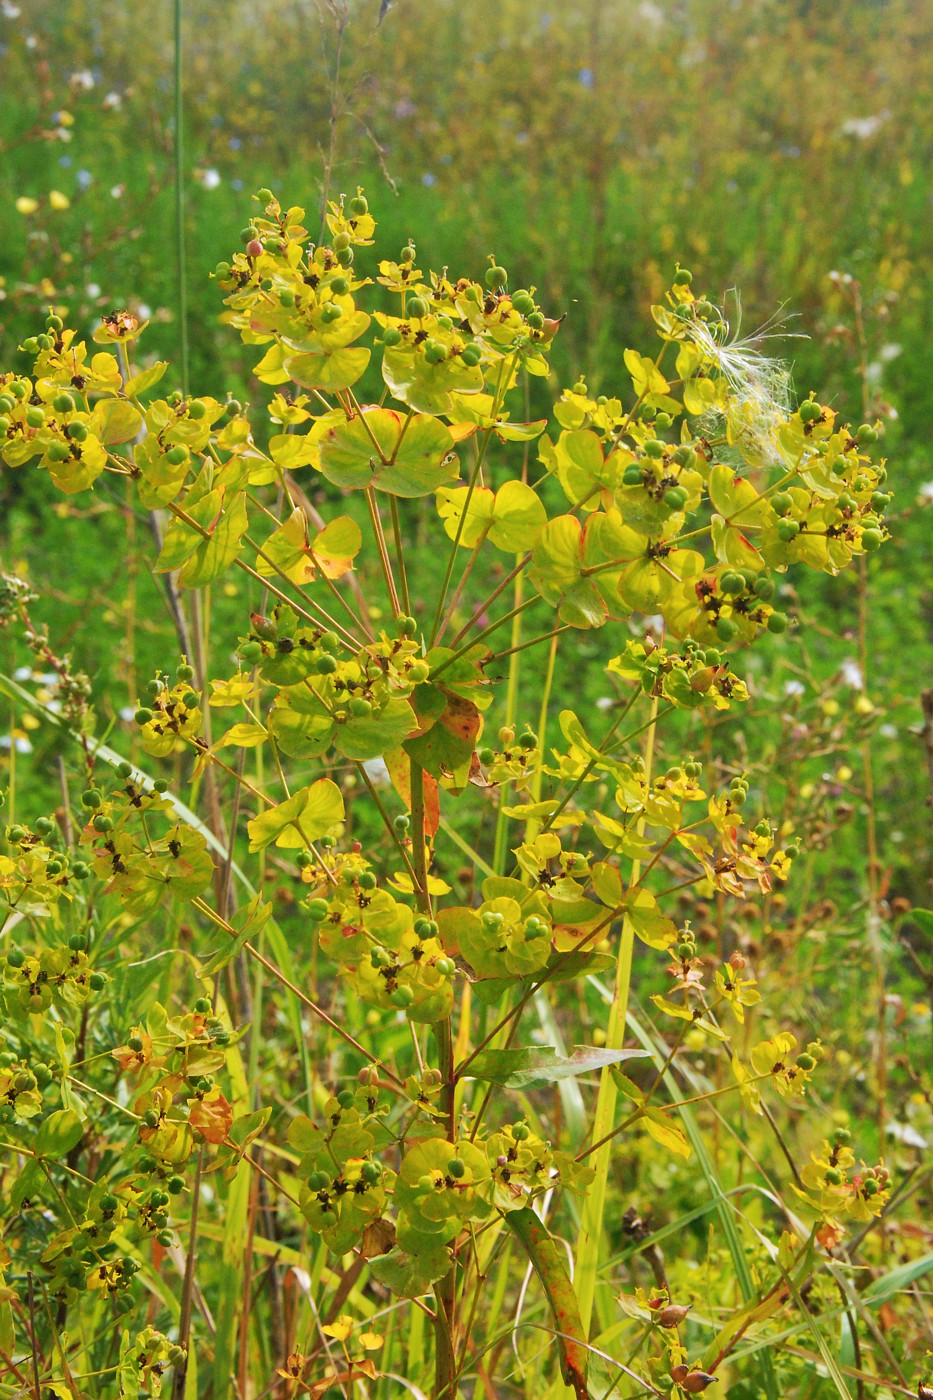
{"type": "Point", "coordinates": [557, 573]}
{"type": "Point", "coordinates": [315, 810]}
{"type": "Point", "coordinates": [901, 1277]}
{"type": "Point", "coordinates": [249, 920]}
{"type": "Point", "coordinates": [429, 388]}
{"type": "Point", "coordinates": [520, 432]}
{"type": "Point", "coordinates": [291, 450]}
{"type": "Point", "coordinates": [549, 1264]}
{"type": "Point", "coordinates": [583, 471]}
{"type": "Point", "coordinates": [731, 495]}
{"type": "Point", "coordinates": [331, 370]}
{"type": "Point", "coordinates": [146, 378]}
{"type": "Point", "coordinates": [288, 550]}
{"type": "Point", "coordinates": [410, 1275]}
{"type": "Point", "coordinates": [535, 1066]}
{"type": "Point", "coordinates": [381, 448]}
{"type": "Point", "coordinates": [518, 517]}
{"type": "Point", "coordinates": [58, 1134]}
{"type": "Point", "coordinates": [660, 1127]}
{"type": "Point", "coordinates": [448, 737]}
{"type": "Point", "coordinates": [480, 507]}
{"type": "Point", "coordinates": [651, 926]}
{"type": "Point", "coordinates": [202, 557]}
{"type": "Point", "coordinates": [115, 421]}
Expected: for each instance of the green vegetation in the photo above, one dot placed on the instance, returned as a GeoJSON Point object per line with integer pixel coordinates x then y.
{"type": "Point", "coordinates": [465, 779]}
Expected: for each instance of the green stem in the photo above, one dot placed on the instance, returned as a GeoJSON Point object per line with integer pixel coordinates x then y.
{"type": "Point", "coordinates": [399, 551]}
{"type": "Point", "coordinates": [419, 845]}
{"type": "Point", "coordinates": [180, 205]}
{"type": "Point", "coordinates": [533, 827]}
{"type": "Point", "coordinates": [474, 478]}
{"type": "Point", "coordinates": [379, 535]}
{"type": "Point", "coordinates": [591, 1224]}
{"type": "Point", "coordinates": [481, 636]}
{"type": "Point", "coordinates": [511, 700]}
{"type": "Point", "coordinates": [445, 1360]}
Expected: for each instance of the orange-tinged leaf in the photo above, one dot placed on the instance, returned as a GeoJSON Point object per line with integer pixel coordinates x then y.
{"type": "Point", "coordinates": [548, 1262]}
{"type": "Point", "coordinates": [211, 1117]}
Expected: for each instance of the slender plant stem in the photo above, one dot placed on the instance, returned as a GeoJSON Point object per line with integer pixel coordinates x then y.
{"type": "Point", "coordinates": [511, 701]}
{"type": "Point", "coordinates": [504, 375]}
{"type": "Point", "coordinates": [399, 550]}
{"type": "Point", "coordinates": [591, 1231]}
{"type": "Point", "coordinates": [419, 844]}
{"type": "Point", "coordinates": [379, 535]}
{"type": "Point", "coordinates": [180, 248]}
{"type": "Point", "coordinates": [316, 1010]}
{"type": "Point", "coordinates": [481, 636]}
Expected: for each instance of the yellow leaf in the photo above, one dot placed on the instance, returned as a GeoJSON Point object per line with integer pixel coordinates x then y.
{"type": "Point", "coordinates": [664, 1131]}
{"type": "Point", "coordinates": [340, 1329]}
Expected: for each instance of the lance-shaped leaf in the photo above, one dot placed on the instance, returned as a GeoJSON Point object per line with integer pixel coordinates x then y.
{"type": "Point", "coordinates": [520, 432]}
{"type": "Point", "coordinates": [58, 1134]}
{"type": "Point", "coordinates": [305, 816]}
{"type": "Point", "coordinates": [146, 379]}
{"type": "Point", "coordinates": [549, 1264]}
{"type": "Point", "coordinates": [381, 448]}
{"type": "Point", "coordinates": [535, 1066]}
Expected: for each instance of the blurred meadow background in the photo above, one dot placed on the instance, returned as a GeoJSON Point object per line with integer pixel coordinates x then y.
{"type": "Point", "coordinates": [779, 148]}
